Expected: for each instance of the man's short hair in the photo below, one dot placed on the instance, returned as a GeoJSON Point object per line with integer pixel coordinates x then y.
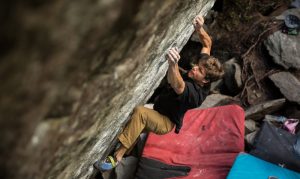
{"type": "Point", "coordinates": [213, 67]}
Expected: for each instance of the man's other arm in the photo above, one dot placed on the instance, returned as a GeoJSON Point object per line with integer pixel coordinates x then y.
{"type": "Point", "coordinates": [203, 36]}
{"type": "Point", "coordinates": [173, 76]}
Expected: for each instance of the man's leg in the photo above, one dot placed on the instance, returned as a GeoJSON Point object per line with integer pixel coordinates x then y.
{"type": "Point", "coordinates": [142, 119]}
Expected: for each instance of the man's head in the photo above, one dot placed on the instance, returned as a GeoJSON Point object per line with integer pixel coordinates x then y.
{"type": "Point", "coordinates": [207, 70]}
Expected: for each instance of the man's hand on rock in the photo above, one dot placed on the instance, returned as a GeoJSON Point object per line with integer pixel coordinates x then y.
{"type": "Point", "coordinates": [198, 22]}
{"type": "Point", "coordinates": [173, 56]}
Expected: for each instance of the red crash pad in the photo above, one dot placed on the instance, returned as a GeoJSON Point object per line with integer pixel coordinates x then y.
{"type": "Point", "coordinates": [208, 142]}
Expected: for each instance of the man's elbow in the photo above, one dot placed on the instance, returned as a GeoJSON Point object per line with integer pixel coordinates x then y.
{"type": "Point", "coordinates": [207, 43]}
{"type": "Point", "coordinates": [210, 42]}
{"type": "Point", "coordinates": [179, 90]}
{"type": "Point", "coordinates": [206, 47]}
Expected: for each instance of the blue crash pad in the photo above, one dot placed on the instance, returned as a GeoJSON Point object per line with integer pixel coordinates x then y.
{"type": "Point", "coordinates": [247, 166]}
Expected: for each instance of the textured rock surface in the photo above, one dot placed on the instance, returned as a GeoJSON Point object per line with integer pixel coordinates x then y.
{"type": "Point", "coordinates": [258, 111]}
{"type": "Point", "coordinates": [125, 65]}
{"type": "Point", "coordinates": [250, 126]}
{"type": "Point", "coordinates": [214, 99]}
{"type": "Point", "coordinates": [284, 49]}
{"type": "Point", "coordinates": [288, 84]}
{"type": "Point", "coordinates": [47, 51]}
{"type": "Point", "coordinates": [232, 76]}
{"type": "Point", "coordinates": [159, 26]}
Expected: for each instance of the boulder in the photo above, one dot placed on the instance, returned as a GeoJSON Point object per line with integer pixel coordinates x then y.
{"type": "Point", "coordinates": [250, 126]}
{"type": "Point", "coordinates": [288, 84]}
{"type": "Point", "coordinates": [258, 111]}
{"type": "Point", "coordinates": [134, 66]}
{"type": "Point", "coordinates": [214, 100]}
{"type": "Point", "coordinates": [250, 138]}
{"type": "Point", "coordinates": [284, 49]}
{"type": "Point", "coordinates": [216, 85]}
{"type": "Point", "coordinates": [232, 77]}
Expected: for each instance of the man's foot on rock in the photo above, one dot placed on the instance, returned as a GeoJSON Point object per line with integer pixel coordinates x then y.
{"type": "Point", "coordinates": [108, 164]}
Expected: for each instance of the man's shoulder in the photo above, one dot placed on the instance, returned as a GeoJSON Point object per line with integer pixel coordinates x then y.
{"type": "Point", "coordinates": [197, 89]}
{"type": "Point", "coordinates": [204, 56]}
{"type": "Point", "coordinates": [191, 85]}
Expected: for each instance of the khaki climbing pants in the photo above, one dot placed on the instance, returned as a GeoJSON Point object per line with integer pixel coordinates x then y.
{"type": "Point", "coordinates": [144, 119]}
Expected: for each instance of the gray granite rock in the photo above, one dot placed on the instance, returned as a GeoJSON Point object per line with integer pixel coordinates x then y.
{"type": "Point", "coordinates": [48, 52]}
{"type": "Point", "coordinates": [250, 126]}
{"type": "Point", "coordinates": [288, 84]}
{"type": "Point", "coordinates": [213, 100]}
{"type": "Point", "coordinates": [250, 137]}
{"type": "Point", "coordinates": [284, 49]}
{"type": "Point", "coordinates": [133, 69]}
{"type": "Point", "coordinates": [258, 111]}
{"type": "Point", "coordinates": [232, 76]}
{"type": "Point", "coordinates": [215, 86]}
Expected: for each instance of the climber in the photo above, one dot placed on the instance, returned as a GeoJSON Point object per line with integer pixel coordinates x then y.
{"type": "Point", "coordinates": [184, 92]}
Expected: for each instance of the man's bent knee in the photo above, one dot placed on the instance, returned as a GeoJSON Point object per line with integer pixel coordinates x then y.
{"type": "Point", "coordinates": [139, 113]}
{"type": "Point", "coordinates": [139, 109]}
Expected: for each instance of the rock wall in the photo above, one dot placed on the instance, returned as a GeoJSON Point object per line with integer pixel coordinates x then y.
{"type": "Point", "coordinates": [106, 57]}
{"type": "Point", "coordinates": [159, 26]}
{"type": "Point", "coordinates": [47, 51]}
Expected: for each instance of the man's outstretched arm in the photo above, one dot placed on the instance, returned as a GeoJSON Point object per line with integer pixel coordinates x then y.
{"type": "Point", "coordinates": [173, 76]}
{"type": "Point", "coordinates": [203, 36]}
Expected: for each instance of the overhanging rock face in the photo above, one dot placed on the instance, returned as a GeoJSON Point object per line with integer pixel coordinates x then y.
{"type": "Point", "coordinates": [134, 64]}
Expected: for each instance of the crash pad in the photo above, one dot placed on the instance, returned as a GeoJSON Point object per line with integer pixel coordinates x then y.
{"type": "Point", "coordinates": [276, 145]}
{"type": "Point", "coordinates": [208, 143]}
{"type": "Point", "coordinates": [247, 166]}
